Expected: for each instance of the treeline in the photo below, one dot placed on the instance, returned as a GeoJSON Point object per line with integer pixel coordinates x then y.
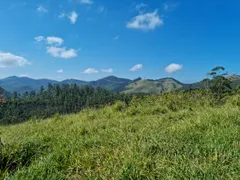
{"type": "Point", "coordinates": [56, 99]}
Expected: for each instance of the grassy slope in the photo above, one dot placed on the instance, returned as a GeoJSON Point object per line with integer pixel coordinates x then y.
{"type": "Point", "coordinates": [148, 140]}
{"type": "Point", "coordinates": [153, 86]}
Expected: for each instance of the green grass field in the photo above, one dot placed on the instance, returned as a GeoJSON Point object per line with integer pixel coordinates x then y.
{"type": "Point", "coordinates": [175, 136]}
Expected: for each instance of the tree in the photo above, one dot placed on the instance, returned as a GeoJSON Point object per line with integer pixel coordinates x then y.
{"type": "Point", "coordinates": [220, 85]}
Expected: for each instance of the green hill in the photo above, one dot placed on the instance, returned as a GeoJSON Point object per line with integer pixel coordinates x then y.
{"type": "Point", "coordinates": [157, 137]}
{"type": "Point", "coordinates": [153, 86]}
{"type": "Point", "coordinates": [111, 83]}
{"type": "Point", "coordinates": [23, 84]}
{"type": "Point", "coordinates": [74, 81]}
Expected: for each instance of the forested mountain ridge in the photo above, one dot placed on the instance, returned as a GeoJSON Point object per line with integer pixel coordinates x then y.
{"type": "Point", "coordinates": [139, 85]}
{"type": "Point", "coordinates": [23, 84]}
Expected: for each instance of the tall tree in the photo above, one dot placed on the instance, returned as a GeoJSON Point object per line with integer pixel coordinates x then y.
{"type": "Point", "coordinates": [220, 84]}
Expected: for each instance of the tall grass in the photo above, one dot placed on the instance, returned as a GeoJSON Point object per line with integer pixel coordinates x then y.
{"type": "Point", "coordinates": [174, 136]}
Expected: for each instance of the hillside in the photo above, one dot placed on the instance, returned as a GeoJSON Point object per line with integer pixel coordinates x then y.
{"type": "Point", "coordinates": [153, 86]}
{"type": "Point", "coordinates": [111, 83]}
{"type": "Point", "coordinates": [235, 80]}
{"type": "Point", "coordinates": [139, 85]}
{"type": "Point", "coordinates": [23, 84]}
{"type": "Point", "coordinates": [74, 81]}
{"type": "Point", "coordinates": [157, 137]}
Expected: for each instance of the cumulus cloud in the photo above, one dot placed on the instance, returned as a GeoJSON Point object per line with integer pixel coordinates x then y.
{"type": "Point", "coordinates": [42, 9]}
{"type": "Point", "coordinates": [147, 21]}
{"type": "Point", "coordinates": [73, 17]}
{"type": "Point", "coordinates": [137, 67]}
{"type": "Point", "coordinates": [54, 49]}
{"type": "Point", "coordinates": [11, 60]}
{"type": "Point", "coordinates": [110, 70]}
{"type": "Point", "coordinates": [172, 68]}
{"type": "Point", "coordinates": [90, 71]}
{"type": "Point", "coordinates": [60, 71]}
{"type": "Point", "coordinates": [56, 41]}
{"type": "Point", "coordinates": [61, 52]}
{"type": "Point", "coordinates": [85, 1]}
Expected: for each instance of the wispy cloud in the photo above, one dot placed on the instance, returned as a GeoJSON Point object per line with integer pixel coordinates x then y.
{"type": "Point", "coordinates": [110, 70]}
{"type": "Point", "coordinates": [137, 67]}
{"type": "Point", "coordinates": [39, 38]}
{"type": "Point", "coordinates": [42, 9]}
{"type": "Point", "coordinates": [140, 7]}
{"type": "Point", "coordinates": [62, 15]}
{"type": "Point", "coordinates": [85, 1]}
{"type": "Point", "coordinates": [172, 68]}
{"type": "Point", "coordinates": [11, 60]}
{"type": "Point", "coordinates": [147, 21]}
{"type": "Point", "coordinates": [90, 71]}
{"type": "Point", "coordinates": [61, 52]}
{"type": "Point", "coordinates": [71, 16]}
{"type": "Point", "coordinates": [60, 71]}
{"type": "Point", "coordinates": [170, 6]}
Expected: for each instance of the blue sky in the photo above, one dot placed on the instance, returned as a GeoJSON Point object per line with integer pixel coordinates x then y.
{"type": "Point", "coordinates": [90, 39]}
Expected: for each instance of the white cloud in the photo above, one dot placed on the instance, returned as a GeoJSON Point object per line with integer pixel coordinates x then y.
{"type": "Point", "coordinates": [56, 41]}
{"type": "Point", "coordinates": [110, 70]}
{"type": "Point", "coordinates": [61, 52]}
{"type": "Point", "coordinates": [147, 21]}
{"type": "Point", "coordinates": [137, 67]}
{"type": "Point", "coordinates": [54, 49]}
{"type": "Point", "coordinates": [60, 71]}
{"type": "Point", "coordinates": [171, 68]}
{"type": "Point", "coordinates": [11, 60]}
{"type": "Point", "coordinates": [39, 38]}
{"type": "Point", "coordinates": [73, 17]}
{"type": "Point", "coordinates": [42, 9]}
{"type": "Point", "coordinates": [85, 1]}
{"type": "Point", "coordinates": [90, 71]}
{"type": "Point", "coordinates": [116, 37]}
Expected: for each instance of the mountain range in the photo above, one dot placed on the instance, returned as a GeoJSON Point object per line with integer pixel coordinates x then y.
{"type": "Point", "coordinates": [139, 85]}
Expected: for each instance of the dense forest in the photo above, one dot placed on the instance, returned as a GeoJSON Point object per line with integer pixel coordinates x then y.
{"type": "Point", "coordinates": [55, 100]}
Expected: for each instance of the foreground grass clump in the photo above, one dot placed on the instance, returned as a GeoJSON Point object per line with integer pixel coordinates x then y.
{"type": "Point", "coordinates": [175, 136]}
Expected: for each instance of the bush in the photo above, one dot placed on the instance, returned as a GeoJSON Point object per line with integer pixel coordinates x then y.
{"type": "Point", "coordinates": [119, 106]}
